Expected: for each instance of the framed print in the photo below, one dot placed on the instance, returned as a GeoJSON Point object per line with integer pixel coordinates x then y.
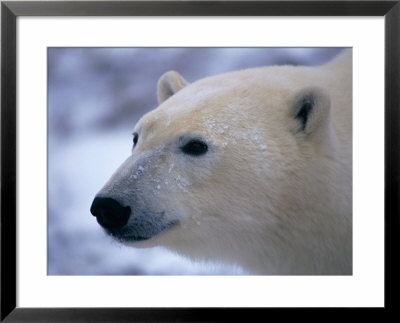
{"type": "Point", "coordinates": [77, 76]}
{"type": "Point", "coordinates": [68, 85]}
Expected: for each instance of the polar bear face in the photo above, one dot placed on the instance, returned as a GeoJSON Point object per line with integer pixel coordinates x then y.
{"type": "Point", "coordinates": [222, 162]}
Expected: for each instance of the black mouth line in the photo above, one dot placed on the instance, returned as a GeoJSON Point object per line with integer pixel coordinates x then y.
{"type": "Point", "coordinates": [130, 238]}
{"type": "Point", "coordinates": [121, 237]}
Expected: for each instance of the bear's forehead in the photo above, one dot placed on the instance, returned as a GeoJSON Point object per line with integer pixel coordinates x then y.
{"type": "Point", "coordinates": [210, 103]}
{"type": "Point", "coordinates": [186, 108]}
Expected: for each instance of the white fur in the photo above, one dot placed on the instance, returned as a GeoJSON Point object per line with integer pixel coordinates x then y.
{"type": "Point", "coordinates": [267, 196]}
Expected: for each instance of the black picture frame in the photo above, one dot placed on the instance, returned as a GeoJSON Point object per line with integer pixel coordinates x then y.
{"type": "Point", "coordinates": [10, 10]}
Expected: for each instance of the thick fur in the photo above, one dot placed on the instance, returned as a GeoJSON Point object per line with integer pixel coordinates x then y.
{"type": "Point", "coordinates": [273, 193]}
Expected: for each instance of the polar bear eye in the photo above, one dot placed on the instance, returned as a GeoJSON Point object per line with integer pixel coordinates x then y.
{"type": "Point", "coordinates": [135, 139]}
{"type": "Point", "coordinates": [195, 148]}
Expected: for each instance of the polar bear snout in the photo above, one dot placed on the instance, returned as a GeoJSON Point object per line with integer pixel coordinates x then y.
{"type": "Point", "coordinates": [110, 213]}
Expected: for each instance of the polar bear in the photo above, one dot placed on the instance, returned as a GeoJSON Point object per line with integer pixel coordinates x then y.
{"type": "Point", "coordinates": [252, 168]}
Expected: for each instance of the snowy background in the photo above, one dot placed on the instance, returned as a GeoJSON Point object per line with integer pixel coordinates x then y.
{"type": "Point", "coordinates": [95, 97]}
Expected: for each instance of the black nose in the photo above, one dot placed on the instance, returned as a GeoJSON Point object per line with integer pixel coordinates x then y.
{"type": "Point", "coordinates": [109, 213]}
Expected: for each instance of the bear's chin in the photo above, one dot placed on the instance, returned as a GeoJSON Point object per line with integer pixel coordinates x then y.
{"type": "Point", "coordinates": [137, 239]}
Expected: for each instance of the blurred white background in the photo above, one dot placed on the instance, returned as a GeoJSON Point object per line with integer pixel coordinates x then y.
{"type": "Point", "coordinates": [95, 97]}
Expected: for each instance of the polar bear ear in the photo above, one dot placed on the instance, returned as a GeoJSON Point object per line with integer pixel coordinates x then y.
{"type": "Point", "coordinates": [168, 84]}
{"type": "Point", "coordinates": [309, 110]}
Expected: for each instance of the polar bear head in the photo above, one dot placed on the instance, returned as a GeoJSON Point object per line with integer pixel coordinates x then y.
{"type": "Point", "coordinates": [238, 167]}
